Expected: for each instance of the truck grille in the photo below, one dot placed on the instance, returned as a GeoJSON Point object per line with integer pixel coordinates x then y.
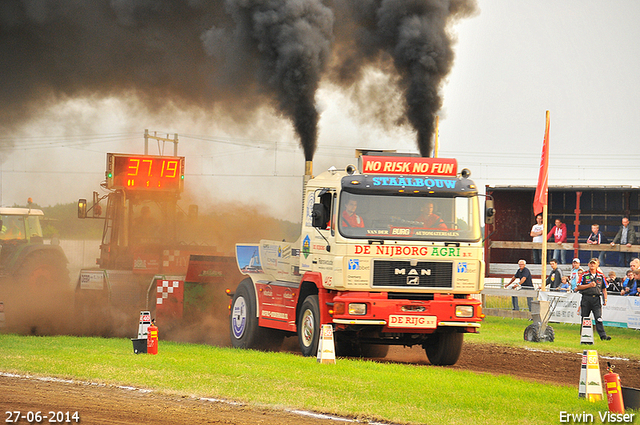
{"type": "Point", "coordinates": [425, 274]}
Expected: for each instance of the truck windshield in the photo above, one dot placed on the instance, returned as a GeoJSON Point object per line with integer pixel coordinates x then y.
{"type": "Point", "coordinates": [408, 217]}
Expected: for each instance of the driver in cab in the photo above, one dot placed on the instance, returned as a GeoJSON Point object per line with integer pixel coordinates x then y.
{"type": "Point", "coordinates": [430, 219]}
{"type": "Point", "coordinates": [349, 218]}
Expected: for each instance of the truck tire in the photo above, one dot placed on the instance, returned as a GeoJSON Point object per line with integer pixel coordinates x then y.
{"type": "Point", "coordinates": [347, 345]}
{"type": "Point", "coordinates": [243, 323]}
{"type": "Point", "coordinates": [374, 350]}
{"type": "Point", "coordinates": [309, 326]}
{"type": "Point", "coordinates": [444, 348]}
{"type": "Point", "coordinates": [531, 333]}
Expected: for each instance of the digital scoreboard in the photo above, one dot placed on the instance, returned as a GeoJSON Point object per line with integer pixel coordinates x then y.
{"type": "Point", "coordinates": [145, 172]}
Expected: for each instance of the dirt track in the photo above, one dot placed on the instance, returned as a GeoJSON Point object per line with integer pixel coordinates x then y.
{"type": "Point", "coordinates": [114, 405]}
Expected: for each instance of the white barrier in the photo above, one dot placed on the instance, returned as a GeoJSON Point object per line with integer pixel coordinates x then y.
{"type": "Point", "coordinates": [622, 312]}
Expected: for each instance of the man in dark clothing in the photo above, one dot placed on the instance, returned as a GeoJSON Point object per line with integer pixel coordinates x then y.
{"type": "Point", "coordinates": [626, 236]}
{"type": "Point", "coordinates": [554, 280]}
{"type": "Point", "coordinates": [592, 286]}
{"type": "Point", "coordinates": [524, 280]}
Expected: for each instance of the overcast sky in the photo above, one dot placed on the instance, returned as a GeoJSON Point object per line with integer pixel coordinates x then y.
{"type": "Point", "coordinates": [514, 61]}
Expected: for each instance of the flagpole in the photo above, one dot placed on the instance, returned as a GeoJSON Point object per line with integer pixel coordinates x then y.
{"type": "Point", "coordinates": [544, 247]}
{"type": "Point", "coordinates": [545, 209]}
{"type": "Point", "coordinates": [541, 198]}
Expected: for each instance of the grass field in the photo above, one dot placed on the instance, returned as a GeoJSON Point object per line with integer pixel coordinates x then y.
{"type": "Point", "coordinates": [353, 388]}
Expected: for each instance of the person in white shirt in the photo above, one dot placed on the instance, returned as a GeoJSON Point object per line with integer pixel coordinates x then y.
{"type": "Point", "coordinates": [536, 233]}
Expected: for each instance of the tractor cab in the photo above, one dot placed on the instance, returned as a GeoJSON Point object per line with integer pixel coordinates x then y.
{"type": "Point", "coordinates": [141, 211]}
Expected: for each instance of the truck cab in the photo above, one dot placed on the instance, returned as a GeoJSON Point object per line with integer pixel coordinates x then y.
{"type": "Point", "coordinates": [387, 256]}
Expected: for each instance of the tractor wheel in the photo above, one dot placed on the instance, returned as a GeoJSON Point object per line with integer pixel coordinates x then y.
{"type": "Point", "coordinates": [45, 294]}
{"type": "Point", "coordinates": [43, 272]}
{"type": "Point", "coordinates": [309, 326]}
{"type": "Point", "coordinates": [531, 333]}
{"type": "Point", "coordinates": [549, 334]}
{"type": "Point", "coordinates": [443, 349]}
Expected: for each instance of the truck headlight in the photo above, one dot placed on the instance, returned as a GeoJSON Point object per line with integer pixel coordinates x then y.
{"type": "Point", "coordinates": [464, 311]}
{"type": "Point", "coordinates": [357, 309]}
{"type": "Point", "coordinates": [338, 308]}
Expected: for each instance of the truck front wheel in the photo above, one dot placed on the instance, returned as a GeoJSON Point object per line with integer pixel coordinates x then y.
{"type": "Point", "coordinates": [309, 326]}
{"type": "Point", "coordinates": [243, 323]}
{"type": "Point", "coordinates": [443, 349]}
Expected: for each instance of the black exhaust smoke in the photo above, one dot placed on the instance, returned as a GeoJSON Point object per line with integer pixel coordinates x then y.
{"type": "Point", "coordinates": [289, 42]}
{"type": "Point", "coordinates": [412, 35]}
{"type": "Point", "coordinates": [235, 55]}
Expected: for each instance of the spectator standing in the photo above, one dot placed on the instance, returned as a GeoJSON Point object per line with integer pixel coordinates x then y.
{"type": "Point", "coordinates": [524, 280]}
{"type": "Point", "coordinates": [626, 236]}
{"type": "Point", "coordinates": [536, 234]}
{"type": "Point", "coordinates": [576, 273]}
{"type": "Point", "coordinates": [559, 233]}
{"type": "Point", "coordinates": [596, 238]}
{"type": "Point", "coordinates": [592, 286]}
{"type": "Point", "coordinates": [555, 277]}
{"type": "Point", "coordinates": [614, 284]}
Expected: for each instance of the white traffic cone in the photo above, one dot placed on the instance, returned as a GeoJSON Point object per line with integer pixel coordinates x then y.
{"type": "Point", "coordinates": [594, 382]}
{"type": "Point", "coordinates": [145, 322]}
{"type": "Point", "coordinates": [586, 334]}
{"type": "Point", "coordinates": [326, 347]}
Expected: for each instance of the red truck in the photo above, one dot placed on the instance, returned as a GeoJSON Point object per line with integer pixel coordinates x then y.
{"type": "Point", "coordinates": [390, 253]}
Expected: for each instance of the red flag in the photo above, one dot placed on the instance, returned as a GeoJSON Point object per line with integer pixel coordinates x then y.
{"type": "Point", "coordinates": [542, 190]}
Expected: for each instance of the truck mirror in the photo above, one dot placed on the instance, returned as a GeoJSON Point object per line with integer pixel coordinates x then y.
{"type": "Point", "coordinates": [82, 208]}
{"type": "Point", "coordinates": [319, 216]}
{"type": "Point", "coordinates": [490, 212]}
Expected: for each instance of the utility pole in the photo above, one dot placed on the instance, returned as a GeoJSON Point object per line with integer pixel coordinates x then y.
{"type": "Point", "coordinates": [147, 136]}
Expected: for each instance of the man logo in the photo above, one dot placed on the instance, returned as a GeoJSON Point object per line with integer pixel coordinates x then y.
{"type": "Point", "coordinates": [413, 280]}
{"type": "Point", "coordinates": [354, 264]}
{"type": "Point", "coordinates": [413, 272]}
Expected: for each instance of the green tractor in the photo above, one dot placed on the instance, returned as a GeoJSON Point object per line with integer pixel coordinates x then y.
{"type": "Point", "coordinates": [34, 279]}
